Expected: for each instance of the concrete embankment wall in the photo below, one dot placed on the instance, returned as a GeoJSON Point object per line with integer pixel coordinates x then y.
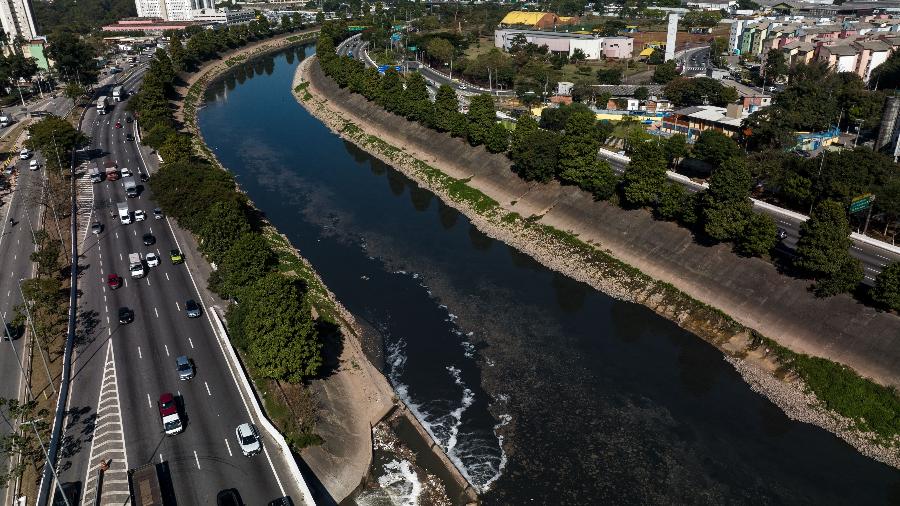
{"type": "Point", "coordinates": [751, 291]}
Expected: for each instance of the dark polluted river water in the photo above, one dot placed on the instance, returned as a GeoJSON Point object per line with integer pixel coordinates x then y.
{"type": "Point", "coordinates": [543, 390]}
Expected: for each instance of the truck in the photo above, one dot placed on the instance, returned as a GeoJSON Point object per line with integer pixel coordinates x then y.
{"type": "Point", "coordinates": [118, 94]}
{"type": "Point", "coordinates": [5, 121]}
{"type": "Point", "coordinates": [144, 486]}
{"type": "Point", "coordinates": [95, 174]}
{"type": "Point", "coordinates": [111, 169]}
{"type": "Point", "coordinates": [102, 104]}
{"type": "Point", "coordinates": [130, 186]}
{"type": "Point", "coordinates": [135, 265]}
{"type": "Point", "coordinates": [124, 213]}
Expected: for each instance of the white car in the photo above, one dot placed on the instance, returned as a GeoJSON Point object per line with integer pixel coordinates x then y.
{"type": "Point", "coordinates": [248, 439]}
{"type": "Point", "coordinates": [152, 259]}
{"type": "Point", "coordinates": [34, 165]}
{"type": "Point", "coordinates": [140, 215]}
{"type": "Point", "coordinates": [25, 154]}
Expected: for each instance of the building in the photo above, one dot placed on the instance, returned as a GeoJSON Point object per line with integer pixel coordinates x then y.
{"type": "Point", "coordinates": [223, 16]}
{"type": "Point", "coordinates": [534, 20]}
{"type": "Point", "coordinates": [171, 10]}
{"type": "Point", "coordinates": [734, 36]}
{"type": "Point", "coordinates": [840, 57]}
{"type": "Point", "coordinates": [691, 121]}
{"type": "Point", "coordinates": [17, 20]}
{"type": "Point", "coordinates": [151, 25]}
{"type": "Point", "coordinates": [872, 53]}
{"type": "Point", "coordinates": [594, 47]}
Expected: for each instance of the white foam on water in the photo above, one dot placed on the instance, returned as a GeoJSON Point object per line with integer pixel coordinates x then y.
{"type": "Point", "coordinates": [399, 485]}
{"type": "Point", "coordinates": [468, 349]}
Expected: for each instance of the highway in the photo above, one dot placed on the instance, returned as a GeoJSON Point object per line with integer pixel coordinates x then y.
{"type": "Point", "coordinates": [873, 256]}
{"type": "Point", "coordinates": [121, 370]}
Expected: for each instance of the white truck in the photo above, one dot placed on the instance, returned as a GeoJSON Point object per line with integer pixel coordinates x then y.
{"type": "Point", "coordinates": [135, 265]}
{"type": "Point", "coordinates": [124, 213]}
{"type": "Point", "coordinates": [130, 186]}
{"type": "Point", "coordinates": [118, 94]}
{"type": "Point", "coordinates": [95, 174]}
{"type": "Point", "coordinates": [102, 104]}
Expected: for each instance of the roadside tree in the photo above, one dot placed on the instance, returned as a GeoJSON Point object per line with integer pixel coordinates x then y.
{"type": "Point", "coordinates": [823, 250]}
{"type": "Point", "coordinates": [534, 156]}
{"type": "Point", "coordinates": [579, 163]}
{"type": "Point", "coordinates": [758, 237]}
{"type": "Point", "coordinates": [645, 176]}
{"type": "Point", "coordinates": [481, 117]}
{"type": "Point", "coordinates": [446, 107]}
{"type": "Point", "coordinates": [887, 287]}
{"type": "Point", "coordinates": [56, 138]}
{"type": "Point", "coordinates": [726, 204]}
{"type": "Point", "coordinates": [497, 138]}
{"type": "Point", "coordinates": [225, 222]}
{"type": "Point", "coordinates": [249, 258]}
{"type": "Point", "coordinates": [715, 148]}
{"type": "Point", "coordinates": [665, 72]}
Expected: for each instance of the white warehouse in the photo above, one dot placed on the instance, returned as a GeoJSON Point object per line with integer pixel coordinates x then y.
{"type": "Point", "coordinates": [594, 47]}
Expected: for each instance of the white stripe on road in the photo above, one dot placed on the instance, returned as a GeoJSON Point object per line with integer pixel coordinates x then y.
{"type": "Point", "coordinates": [140, 355]}
{"type": "Point", "coordinates": [207, 389]}
{"type": "Point", "coordinates": [227, 445]}
{"type": "Point", "coordinates": [197, 459]}
{"type": "Point", "coordinates": [167, 349]}
{"type": "Point", "coordinates": [148, 401]}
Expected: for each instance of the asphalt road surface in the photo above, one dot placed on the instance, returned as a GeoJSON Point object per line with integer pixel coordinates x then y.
{"type": "Point", "coordinates": [121, 370]}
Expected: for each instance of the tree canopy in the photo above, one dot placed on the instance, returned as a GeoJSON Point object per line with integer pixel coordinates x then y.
{"type": "Point", "coordinates": [823, 250]}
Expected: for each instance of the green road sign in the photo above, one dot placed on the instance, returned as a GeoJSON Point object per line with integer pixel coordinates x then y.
{"type": "Point", "coordinates": [861, 203]}
{"type": "Point", "coordinates": [356, 28]}
{"type": "Point", "coordinates": [412, 48]}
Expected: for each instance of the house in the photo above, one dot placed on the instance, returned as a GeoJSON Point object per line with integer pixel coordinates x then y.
{"type": "Point", "coordinates": [840, 57]}
{"type": "Point", "coordinates": [872, 53]}
{"type": "Point", "coordinates": [691, 121]}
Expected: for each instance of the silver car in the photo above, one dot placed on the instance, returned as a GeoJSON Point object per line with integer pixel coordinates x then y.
{"type": "Point", "coordinates": [185, 368]}
{"type": "Point", "coordinates": [248, 439]}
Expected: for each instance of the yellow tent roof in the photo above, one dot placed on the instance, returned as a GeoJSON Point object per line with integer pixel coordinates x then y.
{"type": "Point", "coordinates": [647, 52]}
{"type": "Point", "coordinates": [522, 18]}
{"type": "Point", "coordinates": [566, 19]}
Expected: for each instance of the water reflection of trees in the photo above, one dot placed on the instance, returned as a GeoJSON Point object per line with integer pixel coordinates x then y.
{"type": "Point", "coordinates": [421, 199]}
{"type": "Point", "coordinates": [447, 215]}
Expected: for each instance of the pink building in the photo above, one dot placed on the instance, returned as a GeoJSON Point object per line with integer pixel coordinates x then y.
{"type": "Point", "coordinates": [617, 47]}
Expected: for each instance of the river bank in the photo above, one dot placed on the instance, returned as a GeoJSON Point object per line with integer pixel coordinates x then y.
{"type": "Point", "coordinates": [499, 212]}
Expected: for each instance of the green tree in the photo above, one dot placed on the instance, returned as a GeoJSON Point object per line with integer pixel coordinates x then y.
{"type": "Point", "coordinates": [416, 105]}
{"type": "Point", "coordinates": [758, 237]}
{"type": "Point", "coordinates": [823, 250]}
{"type": "Point", "coordinates": [776, 66]}
{"type": "Point", "coordinates": [391, 94]}
{"type": "Point", "coordinates": [609, 76]}
{"type": "Point", "coordinates": [714, 148]}
{"type": "Point", "coordinates": [673, 199]}
{"type": "Point", "coordinates": [277, 330]}
{"type": "Point", "coordinates": [446, 107]}
{"type": "Point", "coordinates": [178, 146]}
{"type": "Point", "coordinates": [56, 138]}
{"type": "Point", "coordinates": [497, 139]}
{"type": "Point", "coordinates": [440, 50]}
{"type": "Point", "coordinates": [641, 93]}
{"type": "Point", "coordinates": [25, 442]}
{"type": "Point", "coordinates": [675, 148]}
{"type": "Point", "coordinates": [534, 156]}
{"type": "Point", "coordinates": [645, 175]}
{"type": "Point", "coordinates": [481, 117]}
{"type": "Point", "coordinates": [525, 126]}
{"type": "Point", "coordinates": [579, 163]}
{"type": "Point", "coordinates": [47, 255]}
{"type": "Point", "coordinates": [887, 287]}
{"type": "Point", "coordinates": [665, 72]}
{"type": "Point", "coordinates": [225, 222]}
{"type": "Point", "coordinates": [726, 204]}
{"type": "Point", "coordinates": [249, 258]}
{"type": "Point", "coordinates": [685, 91]}
{"type": "Point", "coordinates": [74, 58]}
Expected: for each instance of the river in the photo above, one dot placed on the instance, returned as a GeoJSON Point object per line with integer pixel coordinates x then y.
{"type": "Point", "coordinates": [543, 390]}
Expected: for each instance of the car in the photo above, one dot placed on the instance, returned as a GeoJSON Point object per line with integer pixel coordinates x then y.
{"type": "Point", "coordinates": [96, 227]}
{"type": "Point", "coordinates": [118, 124]}
{"type": "Point", "coordinates": [781, 233]}
{"type": "Point", "coordinates": [168, 413]}
{"type": "Point", "coordinates": [129, 136]}
{"type": "Point", "coordinates": [185, 368]}
{"type": "Point", "coordinates": [140, 215]}
{"type": "Point", "coordinates": [126, 315]}
{"type": "Point", "coordinates": [25, 154]}
{"type": "Point", "coordinates": [128, 119]}
{"type": "Point", "coordinates": [152, 259]}
{"type": "Point", "coordinates": [11, 332]}
{"type": "Point", "coordinates": [228, 497]}
{"type": "Point", "coordinates": [113, 281]}
{"type": "Point", "coordinates": [149, 240]}
{"type": "Point", "coordinates": [158, 214]}
{"type": "Point", "coordinates": [145, 177]}
{"type": "Point", "coordinates": [34, 165]}
{"type": "Point", "coordinates": [176, 256]}
{"type": "Point", "coordinates": [192, 308]}
{"type": "Point", "coordinates": [248, 439]}
{"type": "Point", "coordinates": [463, 87]}
{"type": "Point", "coordinates": [282, 501]}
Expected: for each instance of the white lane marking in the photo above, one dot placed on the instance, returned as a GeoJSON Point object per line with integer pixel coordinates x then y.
{"type": "Point", "coordinates": [157, 312]}
{"type": "Point", "coordinates": [167, 349]}
{"type": "Point", "coordinates": [148, 401]}
{"type": "Point", "coordinates": [148, 281]}
{"type": "Point", "coordinates": [117, 235]}
{"type": "Point", "coordinates": [197, 459]}
{"type": "Point", "coordinates": [227, 445]}
{"type": "Point", "coordinates": [177, 306]}
{"type": "Point", "coordinates": [207, 389]}
{"type": "Point", "coordinates": [140, 355]}
{"type": "Point", "coordinates": [160, 458]}
{"type": "Point", "coordinates": [191, 343]}
{"type": "Point", "coordinates": [126, 281]}
{"type": "Point", "coordinates": [167, 277]}
{"type": "Point", "coordinates": [121, 257]}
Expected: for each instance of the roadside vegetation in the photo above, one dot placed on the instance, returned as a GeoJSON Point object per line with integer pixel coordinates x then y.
{"type": "Point", "coordinates": [557, 146]}
{"type": "Point", "coordinates": [271, 315]}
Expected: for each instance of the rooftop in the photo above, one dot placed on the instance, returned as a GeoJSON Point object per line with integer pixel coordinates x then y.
{"type": "Point", "coordinates": [711, 113]}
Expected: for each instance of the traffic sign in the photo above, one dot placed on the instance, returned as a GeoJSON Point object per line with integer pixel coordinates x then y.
{"type": "Point", "coordinates": [861, 203]}
{"type": "Point", "coordinates": [395, 37]}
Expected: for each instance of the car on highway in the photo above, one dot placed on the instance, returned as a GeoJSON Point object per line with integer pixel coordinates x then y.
{"type": "Point", "coordinates": [10, 332]}
{"type": "Point", "coordinates": [185, 368]}
{"type": "Point", "coordinates": [126, 315]}
{"type": "Point", "coordinates": [192, 308]}
{"type": "Point", "coordinates": [248, 439]}
{"type": "Point", "coordinates": [25, 154]}
{"type": "Point", "coordinates": [176, 256]}
{"type": "Point", "coordinates": [34, 165]}
{"type": "Point", "coordinates": [152, 259]}
{"type": "Point", "coordinates": [140, 215]}
{"type": "Point", "coordinates": [149, 240]}
{"type": "Point", "coordinates": [157, 214]}
{"type": "Point", "coordinates": [118, 124]}
{"type": "Point", "coordinates": [168, 413]}
{"type": "Point", "coordinates": [96, 227]}
{"type": "Point", "coordinates": [282, 501]}
{"type": "Point", "coordinates": [129, 136]}
{"type": "Point", "coordinates": [228, 497]}
{"type": "Point", "coordinates": [128, 119]}
{"type": "Point", "coordinates": [114, 281]}
{"type": "Point", "coordinates": [781, 234]}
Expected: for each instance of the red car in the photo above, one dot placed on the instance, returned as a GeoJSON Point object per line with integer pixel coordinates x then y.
{"type": "Point", "coordinates": [118, 124]}
{"type": "Point", "coordinates": [114, 281]}
{"type": "Point", "coordinates": [168, 412]}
